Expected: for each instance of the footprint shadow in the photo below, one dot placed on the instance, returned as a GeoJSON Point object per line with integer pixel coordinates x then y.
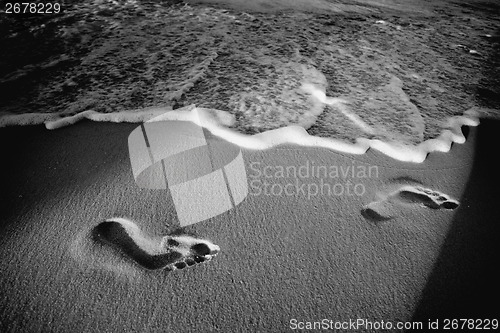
{"type": "Point", "coordinates": [373, 215]}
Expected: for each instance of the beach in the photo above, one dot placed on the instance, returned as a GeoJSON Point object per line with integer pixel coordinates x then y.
{"type": "Point", "coordinates": [281, 257]}
{"type": "Point", "coordinates": [356, 183]}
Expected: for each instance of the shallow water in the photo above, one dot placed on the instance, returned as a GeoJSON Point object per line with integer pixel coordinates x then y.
{"type": "Point", "coordinates": [389, 67]}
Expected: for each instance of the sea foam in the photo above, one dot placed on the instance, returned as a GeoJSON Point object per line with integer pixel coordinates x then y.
{"type": "Point", "coordinates": [218, 122]}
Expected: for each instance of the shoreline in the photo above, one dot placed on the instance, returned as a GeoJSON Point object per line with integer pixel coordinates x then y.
{"type": "Point", "coordinates": [218, 122]}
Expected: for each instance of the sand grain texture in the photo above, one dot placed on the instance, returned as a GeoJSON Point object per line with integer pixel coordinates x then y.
{"type": "Point", "coordinates": [284, 257]}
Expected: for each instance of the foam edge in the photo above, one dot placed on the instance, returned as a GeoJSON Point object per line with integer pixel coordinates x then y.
{"type": "Point", "coordinates": [298, 135]}
{"type": "Point", "coordinates": [217, 122]}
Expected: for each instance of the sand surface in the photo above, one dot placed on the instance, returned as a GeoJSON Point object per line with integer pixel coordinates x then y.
{"type": "Point", "coordinates": [280, 5]}
{"type": "Point", "coordinates": [419, 243]}
{"type": "Point", "coordinates": [281, 257]}
{"type": "Point", "coordinates": [322, 6]}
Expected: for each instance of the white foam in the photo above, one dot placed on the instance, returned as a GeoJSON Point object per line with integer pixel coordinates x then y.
{"type": "Point", "coordinates": [197, 115]}
{"type": "Point", "coordinates": [54, 121]}
{"type": "Point", "coordinates": [25, 119]}
{"type": "Point", "coordinates": [136, 116]}
{"type": "Point", "coordinates": [217, 122]}
{"type": "Point", "coordinates": [298, 135]}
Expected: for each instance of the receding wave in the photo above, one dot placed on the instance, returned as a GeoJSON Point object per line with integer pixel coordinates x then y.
{"type": "Point", "coordinates": [262, 79]}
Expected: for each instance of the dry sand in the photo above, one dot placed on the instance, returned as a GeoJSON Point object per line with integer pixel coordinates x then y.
{"type": "Point", "coordinates": [281, 257]}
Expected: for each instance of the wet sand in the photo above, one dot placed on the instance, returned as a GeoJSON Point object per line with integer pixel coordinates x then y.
{"type": "Point", "coordinates": [281, 257]}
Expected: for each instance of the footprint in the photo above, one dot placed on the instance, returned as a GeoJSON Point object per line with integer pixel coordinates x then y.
{"type": "Point", "coordinates": [387, 207]}
{"type": "Point", "coordinates": [424, 196]}
{"type": "Point", "coordinates": [170, 252]}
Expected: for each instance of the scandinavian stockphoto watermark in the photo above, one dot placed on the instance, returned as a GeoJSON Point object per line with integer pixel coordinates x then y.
{"type": "Point", "coordinates": [309, 179]}
{"type": "Point", "coordinates": [361, 324]}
